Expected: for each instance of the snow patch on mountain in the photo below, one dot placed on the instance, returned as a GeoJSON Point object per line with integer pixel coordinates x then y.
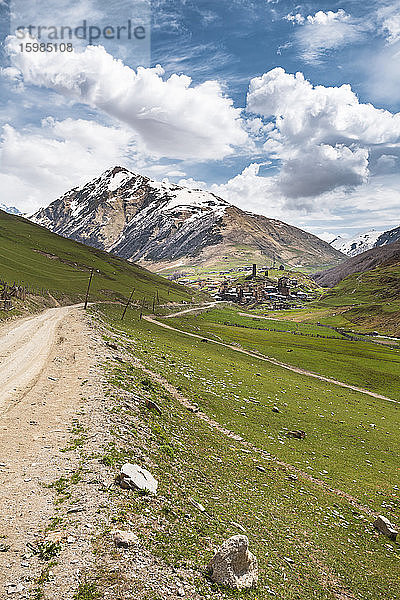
{"type": "Point", "coordinates": [76, 208]}
{"type": "Point", "coordinates": [362, 242]}
{"type": "Point", "coordinates": [12, 210]}
{"type": "Point", "coordinates": [118, 180]}
{"type": "Point", "coordinates": [389, 237]}
{"type": "Point", "coordinates": [151, 221]}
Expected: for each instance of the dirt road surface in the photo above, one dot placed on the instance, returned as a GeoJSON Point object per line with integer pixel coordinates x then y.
{"type": "Point", "coordinates": [43, 362]}
{"type": "Point", "coordinates": [24, 351]}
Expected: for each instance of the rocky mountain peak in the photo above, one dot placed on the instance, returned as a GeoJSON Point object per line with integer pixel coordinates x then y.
{"type": "Point", "coordinates": [365, 241]}
{"type": "Point", "coordinates": [162, 222]}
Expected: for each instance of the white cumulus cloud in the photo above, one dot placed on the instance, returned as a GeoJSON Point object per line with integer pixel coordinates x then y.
{"type": "Point", "coordinates": [171, 117]}
{"type": "Point", "coordinates": [251, 191]}
{"type": "Point", "coordinates": [325, 31]}
{"type": "Point", "coordinates": [40, 165]}
{"type": "Point", "coordinates": [371, 205]}
{"type": "Point", "coordinates": [323, 136]}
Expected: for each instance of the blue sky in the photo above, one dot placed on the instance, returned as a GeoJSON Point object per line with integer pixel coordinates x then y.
{"type": "Point", "coordinates": [285, 109]}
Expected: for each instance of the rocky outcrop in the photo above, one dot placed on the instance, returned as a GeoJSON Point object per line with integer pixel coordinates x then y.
{"type": "Point", "coordinates": [125, 539]}
{"type": "Point", "coordinates": [388, 237]}
{"type": "Point", "coordinates": [383, 525]}
{"type": "Point", "coordinates": [233, 565]}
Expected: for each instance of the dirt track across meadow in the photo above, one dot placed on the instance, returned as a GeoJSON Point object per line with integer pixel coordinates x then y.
{"type": "Point", "coordinates": [43, 361]}
{"type": "Point", "coordinates": [262, 357]}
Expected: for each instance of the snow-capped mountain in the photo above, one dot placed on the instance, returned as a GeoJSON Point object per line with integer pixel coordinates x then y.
{"type": "Point", "coordinates": [361, 243]}
{"type": "Point", "coordinates": [366, 241]}
{"type": "Point", "coordinates": [379, 256]}
{"type": "Point", "coordinates": [10, 209]}
{"type": "Point", "coordinates": [167, 225]}
{"type": "Point", "coordinates": [388, 237]}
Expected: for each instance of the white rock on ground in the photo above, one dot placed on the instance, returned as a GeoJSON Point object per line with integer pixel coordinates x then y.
{"type": "Point", "coordinates": [197, 505]}
{"type": "Point", "coordinates": [15, 588]}
{"type": "Point", "coordinates": [125, 539]}
{"type": "Point", "coordinates": [136, 478]}
{"type": "Point", "coordinates": [233, 565]}
{"type": "Point", "coordinates": [383, 525]}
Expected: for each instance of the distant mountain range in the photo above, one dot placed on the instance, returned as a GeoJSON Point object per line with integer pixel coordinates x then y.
{"type": "Point", "coordinates": [167, 226]}
{"type": "Point", "coordinates": [10, 209]}
{"type": "Point", "coordinates": [366, 241]}
{"type": "Point", "coordinates": [380, 256]}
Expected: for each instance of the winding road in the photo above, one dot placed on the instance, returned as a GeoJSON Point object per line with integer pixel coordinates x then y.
{"type": "Point", "coordinates": [43, 361]}
{"type": "Point", "coordinates": [25, 347]}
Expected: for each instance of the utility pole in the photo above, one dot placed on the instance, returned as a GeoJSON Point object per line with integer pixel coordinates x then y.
{"type": "Point", "coordinates": [127, 304]}
{"type": "Point", "coordinates": [142, 308]}
{"type": "Point", "coordinates": [88, 288]}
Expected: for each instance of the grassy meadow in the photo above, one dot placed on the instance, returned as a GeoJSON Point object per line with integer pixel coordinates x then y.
{"type": "Point", "coordinates": [311, 542]}
{"type": "Point", "coordinates": [50, 264]}
{"type": "Point", "coordinates": [362, 363]}
{"type": "Point", "coordinates": [362, 302]}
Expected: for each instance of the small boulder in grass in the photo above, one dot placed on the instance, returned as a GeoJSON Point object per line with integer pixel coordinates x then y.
{"type": "Point", "coordinates": [153, 406]}
{"type": "Point", "coordinates": [125, 539]}
{"type": "Point", "coordinates": [233, 565]}
{"type": "Point", "coordinates": [133, 477]}
{"type": "Point", "coordinates": [298, 435]}
{"type": "Point", "coordinates": [383, 525]}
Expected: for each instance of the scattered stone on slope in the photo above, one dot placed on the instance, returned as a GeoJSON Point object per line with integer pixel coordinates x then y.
{"type": "Point", "coordinates": [275, 409]}
{"type": "Point", "coordinates": [383, 525]}
{"type": "Point", "coordinates": [151, 405]}
{"type": "Point", "coordinates": [112, 346]}
{"type": "Point", "coordinates": [197, 505]}
{"type": "Point", "coordinates": [233, 565]}
{"type": "Point", "coordinates": [133, 477]}
{"type": "Point", "coordinates": [76, 509]}
{"type": "Point", "coordinates": [125, 539]}
{"type": "Point", "coordinates": [4, 547]}
{"type": "Point", "coordinates": [15, 588]}
{"type": "Point", "coordinates": [300, 435]}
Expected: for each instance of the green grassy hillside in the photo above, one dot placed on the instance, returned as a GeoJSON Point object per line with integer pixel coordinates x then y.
{"type": "Point", "coordinates": [315, 348]}
{"type": "Point", "coordinates": [363, 302]}
{"type": "Point", "coordinates": [371, 299]}
{"type": "Point", "coordinates": [311, 531]}
{"type": "Point", "coordinates": [50, 264]}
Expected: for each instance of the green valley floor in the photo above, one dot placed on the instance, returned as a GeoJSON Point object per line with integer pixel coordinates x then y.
{"type": "Point", "coordinates": [219, 420]}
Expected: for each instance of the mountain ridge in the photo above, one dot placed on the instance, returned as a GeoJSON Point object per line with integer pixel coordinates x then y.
{"type": "Point", "coordinates": [366, 261]}
{"type": "Point", "coordinates": [165, 225]}
{"type": "Point", "coordinates": [11, 210]}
